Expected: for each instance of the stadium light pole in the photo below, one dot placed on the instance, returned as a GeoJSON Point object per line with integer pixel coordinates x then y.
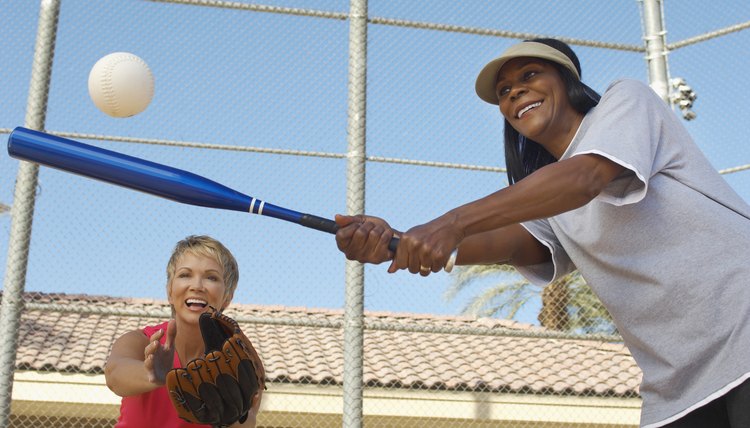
{"type": "Point", "coordinates": [654, 36]}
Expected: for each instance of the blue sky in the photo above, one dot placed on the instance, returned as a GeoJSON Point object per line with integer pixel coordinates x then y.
{"type": "Point", "coordinates": [278, 81]}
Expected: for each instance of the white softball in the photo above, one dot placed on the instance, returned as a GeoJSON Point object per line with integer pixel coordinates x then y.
{"type": "Point", "coordinates": [121, 84]}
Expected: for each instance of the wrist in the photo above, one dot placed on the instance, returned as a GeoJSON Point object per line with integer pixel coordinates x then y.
{"type": "Point", "coordinates": [454, 220]}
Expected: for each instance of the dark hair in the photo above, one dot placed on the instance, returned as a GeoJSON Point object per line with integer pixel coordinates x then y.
{"type": "Point", "coordinates": [523, 156]}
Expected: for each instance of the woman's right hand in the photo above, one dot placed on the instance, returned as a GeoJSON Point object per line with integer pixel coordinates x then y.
{"type": "Point", "coordinates": [364, 238]}
{"type": "Point", "coordinates": [158, 358]}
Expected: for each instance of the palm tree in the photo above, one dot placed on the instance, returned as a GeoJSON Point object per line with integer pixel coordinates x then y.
{"type": "Point", "coordinates": [568, 304]}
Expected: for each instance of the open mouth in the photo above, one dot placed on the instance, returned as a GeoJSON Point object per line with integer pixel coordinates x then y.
{"type": "Point", "coordinates": [528, 108]}
{"type": "Point", "coordinates": [196, 303]}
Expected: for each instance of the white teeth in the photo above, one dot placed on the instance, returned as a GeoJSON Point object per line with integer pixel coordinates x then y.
{"type": "Point", "coordinates": [196, 302]}
{"type": "Point", "coordinates": [528, 107]}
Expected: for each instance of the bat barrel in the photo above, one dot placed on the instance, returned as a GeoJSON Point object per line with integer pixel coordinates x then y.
{"type": "Point", "coordinates": [123, 170]}
{"type": "Point", "coordinates": [149, 177]}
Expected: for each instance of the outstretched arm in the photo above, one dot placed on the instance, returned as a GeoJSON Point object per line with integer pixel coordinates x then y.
{"type": "Point", "coordinates": [551, 190]}
{"type": "Point", "coordinates": [511, 245]}
{"type": "Point", "coordinates": [139, 364]}
{"type": "Point", "coordinates": [365, 239]}
{"type": "Point", "coordinates": [487, 230]}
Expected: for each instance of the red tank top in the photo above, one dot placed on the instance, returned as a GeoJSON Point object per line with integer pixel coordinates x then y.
{"type": "Point", "coordinates": [152, 409]}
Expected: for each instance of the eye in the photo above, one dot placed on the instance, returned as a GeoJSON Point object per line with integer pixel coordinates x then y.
{"type": "Point", "coordinates": [502, 90]}
{"type": "Point", "coordinates": [529, 74]}
{"type": "Point", "coordinates": [183, 275]}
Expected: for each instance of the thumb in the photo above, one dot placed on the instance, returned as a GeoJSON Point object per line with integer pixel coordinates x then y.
{"type": "Point", "coordinates": [346, 220]}
{"type": "Point", "coordinates": [171, 334]}
{"type": "Point", "coordinates": [392, 268]}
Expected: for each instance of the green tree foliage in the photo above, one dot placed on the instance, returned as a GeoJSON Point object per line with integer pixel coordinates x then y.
{"type": "Point", "coordinates": [568, 304]}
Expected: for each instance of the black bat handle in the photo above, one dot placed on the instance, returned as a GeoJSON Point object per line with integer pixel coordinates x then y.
{"type": "Point", "coordinates": [330, 226]}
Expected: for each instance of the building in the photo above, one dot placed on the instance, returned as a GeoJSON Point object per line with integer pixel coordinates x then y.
{"type": "Point", "coordinates": [415, 374]}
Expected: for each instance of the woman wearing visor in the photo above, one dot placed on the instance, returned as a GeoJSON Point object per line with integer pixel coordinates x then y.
{"type": "Point", "coordinates": [614, 187]}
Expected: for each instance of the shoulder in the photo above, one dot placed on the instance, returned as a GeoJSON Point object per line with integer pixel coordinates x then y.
{"type": "Point", "coordinates": [143, 335]}
{"type": "Point", "coordinates": [630, 89]}
{"type": "Point", "coordinates": [626, 97]}
{"type": "Point", "coordinates": [129, 345]}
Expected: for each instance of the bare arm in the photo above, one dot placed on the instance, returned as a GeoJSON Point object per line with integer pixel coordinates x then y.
{"type": "Point", "coordinates": [138, 364]}
{"type": "Point", "coordinates": [551, 190]}
{"type": "Point", "coordinates": [487, 230]}
{"type": "Point", "coordinates": [556, 188]}
{"type": "Point", "coordinates": [512, 245]}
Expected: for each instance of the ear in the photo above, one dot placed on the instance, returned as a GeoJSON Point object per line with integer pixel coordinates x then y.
{"type": "Point", "coordinates": [169, 293]}
{"type": "Point", "coordinates": [227, 300]}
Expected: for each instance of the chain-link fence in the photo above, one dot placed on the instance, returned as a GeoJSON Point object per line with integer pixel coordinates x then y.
{"type": "Point", "coordinates": [259, 97]}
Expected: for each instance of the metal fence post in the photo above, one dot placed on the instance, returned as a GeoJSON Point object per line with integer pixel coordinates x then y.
{"type": "Point", "coordinates": [355, 204]}
{"type": "Point", "coordinates": [654, 35]}
{"type": "Point", "coordinates": [22, 210]}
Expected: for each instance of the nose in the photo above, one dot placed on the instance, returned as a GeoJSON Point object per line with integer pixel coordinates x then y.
{"type": "Point", "coordinates": [516, 92]}
{"type": "Point", "coordinates": [196, 284]}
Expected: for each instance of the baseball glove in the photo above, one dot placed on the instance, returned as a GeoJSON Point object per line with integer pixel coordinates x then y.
{"type": "Point", "coordinates": [218, 388]}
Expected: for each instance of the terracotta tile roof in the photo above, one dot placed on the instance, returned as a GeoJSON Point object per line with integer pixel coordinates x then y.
{"type": "Point", "coordinates": [67, 341]}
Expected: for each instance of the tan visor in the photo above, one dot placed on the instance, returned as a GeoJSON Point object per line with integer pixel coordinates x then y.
{"type": "Point", "coordinates": [487, 78]}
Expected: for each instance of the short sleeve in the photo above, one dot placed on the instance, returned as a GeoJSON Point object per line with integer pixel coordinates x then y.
{"type": "Point", "coordinates": [560, 264]}
{"type": "Point", "coordinates": [624, 128]}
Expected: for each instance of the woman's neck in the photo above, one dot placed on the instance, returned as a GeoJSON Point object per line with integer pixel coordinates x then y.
{"type": "Point", "coordinates": [188, 342]}
{"type": "Point", "coordinates": [560, 140]}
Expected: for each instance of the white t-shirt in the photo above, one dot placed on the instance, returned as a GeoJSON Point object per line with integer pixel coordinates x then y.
{"type": "Point", "coordinates": [664, 247]}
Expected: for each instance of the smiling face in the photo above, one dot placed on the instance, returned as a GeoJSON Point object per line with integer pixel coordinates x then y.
{"type": "Point", "coordinates": [198, 282]}
{"type": "Point", "coordinates": [534, 100]}
{"type": "Point", "coordinates": [204, 247]}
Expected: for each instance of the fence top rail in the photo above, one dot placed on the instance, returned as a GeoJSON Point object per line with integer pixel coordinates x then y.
{"type": "Point", "coordinates": [335, 322]}
{"type": "Point", "coordinates": [402, 23]}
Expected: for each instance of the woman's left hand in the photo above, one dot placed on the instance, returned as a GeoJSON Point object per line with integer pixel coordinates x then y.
{"type": "Point", "coordinates": [426, 248]}
{"type": "Point", "coordinates": [158, 358]}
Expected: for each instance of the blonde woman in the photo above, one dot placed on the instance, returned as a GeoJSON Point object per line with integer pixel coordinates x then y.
{"type": "Point", "coordinates": [201, 272]}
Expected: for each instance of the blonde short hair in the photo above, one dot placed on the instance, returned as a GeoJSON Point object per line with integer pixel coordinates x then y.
{"type": "Point", "coordinates": [201, 245]}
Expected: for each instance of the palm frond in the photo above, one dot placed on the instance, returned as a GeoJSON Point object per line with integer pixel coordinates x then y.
{"type": "Point", "coordinates": [570, 303]}
{"type": "Point", "coordinates": [500, 300]}
{"type": "Point", "coordinates": [464, 276]}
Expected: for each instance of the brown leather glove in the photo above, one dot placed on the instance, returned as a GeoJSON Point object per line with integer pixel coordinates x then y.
{"type": "Point", "coordinates": [219, 387]}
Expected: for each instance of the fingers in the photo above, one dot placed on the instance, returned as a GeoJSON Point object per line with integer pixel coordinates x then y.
{"type": "Point", "coordinates": [149, 355]}
{"type": "Point", "coordinates": [357, 235]}
{"type": "Point", "coordinates": [158, 357]}
{"type": "Point", "coordinates": [364, 238]}
{"type": "Point", "coordinates": [153, 344]}
{"type": "Point", "coordinates": [346, 220]}
{"type": "Point", "coordinates": [149, 365]}
{"type": "Point", "coordinates": [415, 256]}
{"type": "Point", "coordinates": [348, 225]}
{"type": "Point", "coordinates": [425, 249]}
{"type": "Point", "coordinates": [383, 241]}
